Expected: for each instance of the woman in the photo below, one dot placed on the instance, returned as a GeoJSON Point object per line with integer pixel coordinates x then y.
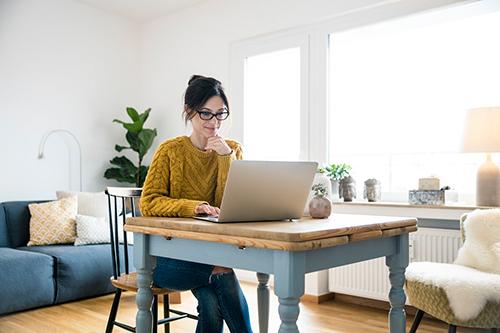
{"type": "Point", "coordinates": [187, 177]}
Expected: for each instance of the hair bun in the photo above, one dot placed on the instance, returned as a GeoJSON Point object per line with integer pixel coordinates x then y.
{"type": "Point", "coordinates": [194, 78]}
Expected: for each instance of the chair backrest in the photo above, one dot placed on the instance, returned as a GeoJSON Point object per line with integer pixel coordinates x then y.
{"type": "Point", "coordinates": [480, 231]}
{"type": "Point", "coordinates": [121, 205]}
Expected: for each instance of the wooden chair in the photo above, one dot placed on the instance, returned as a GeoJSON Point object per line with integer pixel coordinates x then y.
{"type": "Point", "coordinates": [123, 279]}
{"type": "Point", "coordinates": [431, 298]}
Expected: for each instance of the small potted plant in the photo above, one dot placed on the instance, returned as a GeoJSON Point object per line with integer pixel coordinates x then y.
{"type": "Point", "coordinates": [336, 172]}
{"type": "Point", "coordinates": [319, 206]}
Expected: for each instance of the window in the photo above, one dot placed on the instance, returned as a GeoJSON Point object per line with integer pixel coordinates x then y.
{"type": "Point", "coordinates": [389, 98]}
{"type": "Point", "coordinates": [272, 105]}
{"type": "Point", "coordinates": [398, 93]}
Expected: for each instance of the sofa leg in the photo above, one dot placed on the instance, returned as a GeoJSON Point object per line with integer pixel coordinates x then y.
{"type": "Point", "coordinates": [114, 310]}
{"type": "Point", "coordinates": [416, 321]}
{"type": "Point", "coordinates": [452, 329]}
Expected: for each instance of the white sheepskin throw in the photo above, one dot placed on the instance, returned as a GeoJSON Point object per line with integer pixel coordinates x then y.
{"type": "Point", "coordinates": [468, 289]}
{"type": "Point", "coordinates": [481, 249]}
{"type": "Point", "coordinates": [474, 277]}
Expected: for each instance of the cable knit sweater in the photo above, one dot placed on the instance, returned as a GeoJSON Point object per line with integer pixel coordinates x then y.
{"type": "Point", "coordinates": [181, 177]}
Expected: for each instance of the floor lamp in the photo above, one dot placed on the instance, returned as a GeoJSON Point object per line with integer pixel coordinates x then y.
{"type": "Point", "coordinates": [482, 135]}
{"type": "Point", "coordinates": [71, 135]}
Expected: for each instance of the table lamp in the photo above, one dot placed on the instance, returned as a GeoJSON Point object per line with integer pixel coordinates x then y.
{"type": "Point", "coordinates": [482, 135]}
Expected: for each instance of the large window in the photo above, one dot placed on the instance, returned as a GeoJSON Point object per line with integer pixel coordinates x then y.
{"type": "Point", "coordinates": [399, 90]}
{"type": "Point", "coordinates": [272, 105]}
{"type": "Point", "coordinates": [389, 98]}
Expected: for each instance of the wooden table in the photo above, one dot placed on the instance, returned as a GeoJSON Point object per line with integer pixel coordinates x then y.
{"type": "Point", "coordinates": [288, 250]}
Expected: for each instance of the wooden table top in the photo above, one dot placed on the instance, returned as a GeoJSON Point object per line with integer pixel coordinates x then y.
{"type": "Point", "coordinates": [304, 234]}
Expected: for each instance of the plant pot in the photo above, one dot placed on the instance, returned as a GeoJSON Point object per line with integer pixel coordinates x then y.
{"type": "Point", "coordinates": [320, 207]}
{"type": "Point", "coordinates": [335, 190]}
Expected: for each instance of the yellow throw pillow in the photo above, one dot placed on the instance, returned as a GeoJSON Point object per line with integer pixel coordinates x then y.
{"type": "Point", "coordinates": [53, 222]}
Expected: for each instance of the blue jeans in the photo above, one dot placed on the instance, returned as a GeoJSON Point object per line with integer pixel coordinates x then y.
{"type": "Point", "coordinates": [219, 296]}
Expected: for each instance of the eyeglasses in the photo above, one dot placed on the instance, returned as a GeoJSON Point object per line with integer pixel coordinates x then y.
{"type": "Point", "coordinates": [207, 115]}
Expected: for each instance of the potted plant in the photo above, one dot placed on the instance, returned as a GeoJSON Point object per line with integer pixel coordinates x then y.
{"type": "Point", "coordinates": [336, 172]}
{"type": "Point", "coordinates": [140, 140]}
{"type": "Point", "coordinates": [319, 206]}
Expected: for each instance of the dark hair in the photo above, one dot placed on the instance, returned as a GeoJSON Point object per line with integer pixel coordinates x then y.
{"type": "Point", "coordinates": [200, 89]}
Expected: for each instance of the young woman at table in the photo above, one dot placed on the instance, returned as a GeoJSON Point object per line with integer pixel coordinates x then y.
{"type": "Point", "coordinates": [187, 177]}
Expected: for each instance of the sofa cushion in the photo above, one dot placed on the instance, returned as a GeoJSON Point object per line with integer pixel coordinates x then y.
{"type": "Point", "coordinates": [17, 216]}
{"type": "Point", "coordinates": [4, 240]}
{"type": "Point", "coordinates": [53, 222]}
{"type": "Point", "coordinates": [26, 280]}
{"type": "Point", "coordinates": [81, 271]}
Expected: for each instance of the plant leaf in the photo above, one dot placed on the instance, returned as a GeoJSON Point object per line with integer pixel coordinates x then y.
{"type": "Point", "coordinates": [117, 174]}
{"type": "Point", "coordinates": [133, 140]}
{"type": "Point", "coordinates": [144, 116]}
{"type": "Point", "coordinates": [119, 148]}
{"type": "Point", "coordinates": [133, 114]}
{"type": "Point", "coordinates": [125, 171]}
{"type": "Point", "coordinates": [123, 162]}
{"type": "Point", "coordinates": [146, 137]}
{"type": "Point", "coordinates": [132, 127]}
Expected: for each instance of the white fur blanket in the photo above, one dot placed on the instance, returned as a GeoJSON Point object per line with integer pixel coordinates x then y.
{"type": "Point", "coordinates": [481, 249]}
{"type": "Point", "coordinates": [474, 278]}
{"type": "Point", "coordinates": [467, 289]}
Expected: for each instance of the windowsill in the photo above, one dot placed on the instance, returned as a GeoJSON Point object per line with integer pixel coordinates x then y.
{"type": "Point", "coordinates": [439, 212]}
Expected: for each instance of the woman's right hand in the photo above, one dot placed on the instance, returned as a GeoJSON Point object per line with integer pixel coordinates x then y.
{"type": "Point", "coordinates": [207, 209]}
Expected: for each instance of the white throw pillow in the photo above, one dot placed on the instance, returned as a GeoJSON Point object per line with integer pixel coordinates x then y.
{"type": "Point", "coordinates": [95, 230]}
{"type": "Point", "coordinates": [91, 230]}
{"type": "Point", "coordinates": [95, 204]}
{"type": "Point", "coordinates": [89, 203]}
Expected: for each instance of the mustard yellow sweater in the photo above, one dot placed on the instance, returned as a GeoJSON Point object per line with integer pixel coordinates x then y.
{"type": "Point", "coordinates": [181, 177]}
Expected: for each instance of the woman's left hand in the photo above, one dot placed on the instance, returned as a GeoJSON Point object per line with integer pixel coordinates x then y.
{"type": "Point", "coordinates": [219, 145]}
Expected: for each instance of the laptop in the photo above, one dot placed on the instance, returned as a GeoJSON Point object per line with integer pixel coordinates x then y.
{"type": "Point", "coordinates": [265, 191]}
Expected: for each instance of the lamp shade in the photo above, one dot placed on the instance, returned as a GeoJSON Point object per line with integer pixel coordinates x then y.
{"type": "Point", "coordinates": [482, 130]}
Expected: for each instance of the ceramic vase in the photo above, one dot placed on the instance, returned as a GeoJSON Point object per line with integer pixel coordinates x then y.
{"type": "Point", "coordinates": [320, 207]}
{"type": "Point", "coordinates": [319, 178]}
{"type": "Point", "coordinates": [335, 190]}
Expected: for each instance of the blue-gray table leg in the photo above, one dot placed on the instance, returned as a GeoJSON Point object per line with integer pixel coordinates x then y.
{"type": "Point", "coordinates": [289, 272]}
{"type": "Point", "coordinates": [263, 301]}
{"type": "Point", "coordinates": [144, 265]}
{"type": "Point", "coordinates": [397, 264]}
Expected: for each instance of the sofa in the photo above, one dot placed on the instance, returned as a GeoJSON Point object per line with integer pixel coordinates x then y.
{"type": "Point", "coordinates": [35, 276]}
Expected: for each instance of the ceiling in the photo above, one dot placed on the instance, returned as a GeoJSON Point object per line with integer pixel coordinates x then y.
{"type": "Point", "coordinates": [141, 10]}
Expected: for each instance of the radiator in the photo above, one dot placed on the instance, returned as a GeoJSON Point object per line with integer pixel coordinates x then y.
{"type": "Point", "coordinates": [370, 279]}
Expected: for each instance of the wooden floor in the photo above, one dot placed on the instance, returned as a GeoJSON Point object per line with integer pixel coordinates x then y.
{"type": "Point", "coordinates": [90, 316]}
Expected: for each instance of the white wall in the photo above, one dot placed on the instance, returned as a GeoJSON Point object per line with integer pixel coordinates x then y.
{"type": "Point", "coordinates": [62, 65]}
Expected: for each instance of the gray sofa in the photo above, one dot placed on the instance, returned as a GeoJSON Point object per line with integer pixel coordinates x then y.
{"type": "Point", "coordinates": [37, 276]}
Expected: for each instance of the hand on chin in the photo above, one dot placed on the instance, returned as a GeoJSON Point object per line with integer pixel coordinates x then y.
{"type": "Point", "coordinates": [211, 132]}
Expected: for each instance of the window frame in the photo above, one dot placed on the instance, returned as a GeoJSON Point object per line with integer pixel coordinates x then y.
{"type": "Point", "coordinates": [240, 51]}
{"type": "Point", "coordinates": [313, 40]}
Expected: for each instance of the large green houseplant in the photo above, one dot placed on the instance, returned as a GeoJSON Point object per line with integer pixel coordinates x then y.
{"type": "Point", "coordinates": [140, 140]}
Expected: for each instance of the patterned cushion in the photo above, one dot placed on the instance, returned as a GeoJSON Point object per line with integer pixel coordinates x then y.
{"type": "Point", "coordinates": [433, 301]}
{"type": "Point", "coordinates": [91, 230]}
{"type": "Point", "coordinates": [53, 222]}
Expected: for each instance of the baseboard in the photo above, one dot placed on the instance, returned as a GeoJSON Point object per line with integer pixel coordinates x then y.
{"type": "Point", "coordinates": [317, 299]}
{"type": "Point", "coordinates": [371, 303]}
